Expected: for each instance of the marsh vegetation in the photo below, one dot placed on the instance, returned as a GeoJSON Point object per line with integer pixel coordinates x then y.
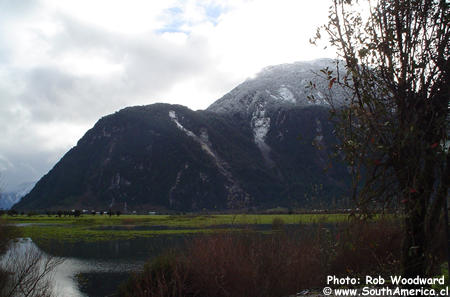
{"type": "Point", "coordinates": [213, 255]}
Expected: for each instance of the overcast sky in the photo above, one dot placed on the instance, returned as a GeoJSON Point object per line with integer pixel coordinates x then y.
{"type": "Point", "coordinates": [66, 63]}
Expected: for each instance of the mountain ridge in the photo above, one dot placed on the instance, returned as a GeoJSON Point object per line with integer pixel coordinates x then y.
{"type": "Point", "coordinates": [13, 195]}
{"type": "Point", "coordinates": [242, 151]}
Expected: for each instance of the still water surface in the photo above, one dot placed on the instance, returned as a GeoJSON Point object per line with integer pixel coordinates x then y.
{"type": "Point", "coordinates": [95, 269]}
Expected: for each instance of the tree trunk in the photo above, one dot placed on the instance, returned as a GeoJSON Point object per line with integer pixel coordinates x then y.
{"type": "Point", "coordinates": [414, 243]}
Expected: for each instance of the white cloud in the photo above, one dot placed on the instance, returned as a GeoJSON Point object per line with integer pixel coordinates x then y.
{"type": "Point", "coordinates": [65, 63]}
{"type": "Point", "coordinates": [265, 32]}
{"type": "Point", "coordinates": [131, 16]}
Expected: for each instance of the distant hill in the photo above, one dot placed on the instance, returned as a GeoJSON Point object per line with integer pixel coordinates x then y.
{"type": "Point", "coordinates": [12, 196]}
{"type": "Point", "coordinates": [257, 146]}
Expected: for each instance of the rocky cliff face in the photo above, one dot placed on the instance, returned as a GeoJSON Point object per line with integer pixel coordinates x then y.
{"type": "Point", "coordinates": [255, 147]}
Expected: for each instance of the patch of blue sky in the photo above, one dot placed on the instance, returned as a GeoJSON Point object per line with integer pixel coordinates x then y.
{"type": "Point", "coordinates": [213, 12]}
{"type": "Point", "coordinates": [173, 27]}
{"type": "Point", "coordinates": [174, 10]}
{"type": "Point", "coordinates": [177, 22]}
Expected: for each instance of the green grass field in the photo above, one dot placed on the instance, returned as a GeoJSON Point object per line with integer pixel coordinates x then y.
{"type": "Point", "coordinates": [177, 220]}
{"type": "Point", "coordinates": [101, 227]}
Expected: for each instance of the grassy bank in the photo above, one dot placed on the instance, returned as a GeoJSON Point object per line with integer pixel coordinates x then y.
{"type": "Point", "coordinates": [78, 233]}
{"type": "Point", "coordinates": [197, 221]}
{"type": "Point", "coordinates": [95, 228]}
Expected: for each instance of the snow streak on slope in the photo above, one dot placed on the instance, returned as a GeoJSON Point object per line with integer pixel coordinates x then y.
{"type": "Point", "coordinates": [235, 192]}
{"type": "Point", "coordinates": [177, 181]}
{"type": "Point", "coordinates": [286, 94]}
{"type": "Point", "coordinates": [201, 140]}
{"type": "Point", "coordinates": [318, 139]}
{"type": "Point", "coordinates": [260, 125]}
{"type": "Point", "coordinates": [174, 118]}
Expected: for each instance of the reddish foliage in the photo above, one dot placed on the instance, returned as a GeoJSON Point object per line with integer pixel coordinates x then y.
{"type": "Point", "coordinates": [251, 264]}
{"type": "Point", "coordinates": [332, 81]}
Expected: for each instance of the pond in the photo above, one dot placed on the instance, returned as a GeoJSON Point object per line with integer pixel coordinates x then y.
{"type": "Point", "coordinates": [96, 269]}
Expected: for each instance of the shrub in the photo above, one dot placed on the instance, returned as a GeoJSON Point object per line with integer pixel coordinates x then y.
{"type": "Point", "coordinates": [251, 264]}
{"type": "Point", "coordinates": [129, 221]}
{"type": "Point", "coordinates": [165, 276]}
{"type": "Point", "coordinates": [277, 223]}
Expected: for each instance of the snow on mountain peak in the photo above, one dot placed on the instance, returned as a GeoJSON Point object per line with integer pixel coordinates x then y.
{"type": "Point", "coordinates": [284, 84]}
{"type": "Point", "coordinates": [286, 94]}
{"type": "Point", "coordinates": [274, 87]}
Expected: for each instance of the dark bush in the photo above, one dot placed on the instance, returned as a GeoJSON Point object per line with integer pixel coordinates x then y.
{"type": "Point", "coordinates": [12, 212]}
{"type": "Point", "coordinates": [165, 276]}
{"type": "Point", "coordinates": [277, 223]}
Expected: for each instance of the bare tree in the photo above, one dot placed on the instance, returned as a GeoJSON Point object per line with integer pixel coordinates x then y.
{"type": "Point", "coordinates": [30, 271]}
{"type": "Point", "coordinates": [394, 127]}
{"type": "Point", "coordinates": [25, 271]}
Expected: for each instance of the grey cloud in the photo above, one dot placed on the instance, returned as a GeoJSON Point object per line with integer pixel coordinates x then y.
{"type": "Point", "coordinates": [14, 8]}
{"type": "Point", "coordinates": [52, 94]}
{"type": "Point", "coordinates": [151, 65]}
{"type": "Point", "coordinates": [146, 56]}
{"type": "Point", "coordinates": [23, 155]}
{"type": "Point", "coordinates": [26, 167]}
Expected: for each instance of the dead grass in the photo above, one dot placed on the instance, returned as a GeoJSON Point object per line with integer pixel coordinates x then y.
{"type": "Point", "coordinates": [249, 264]}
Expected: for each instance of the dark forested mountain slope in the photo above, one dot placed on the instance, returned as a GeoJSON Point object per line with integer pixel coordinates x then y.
{"type": "Point", "coordinates": [255, 147]}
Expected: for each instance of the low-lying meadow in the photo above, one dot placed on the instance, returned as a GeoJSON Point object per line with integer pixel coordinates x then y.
{"type": "Point", "coordinates": [89, 227]}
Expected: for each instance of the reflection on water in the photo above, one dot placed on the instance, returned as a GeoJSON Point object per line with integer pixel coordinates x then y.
{"type": "Point", "coordinates": [69, 273]}
{"type": "Point", "coordinates": [136, 249]}
{"type": "Point", "coordinates": [20, 258]}
{"type": "Point", "coordinates": [94, 269]}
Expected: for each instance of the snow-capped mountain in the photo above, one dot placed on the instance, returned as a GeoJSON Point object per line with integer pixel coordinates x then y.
{"type": "Point", "coordinates": [261, 99]}
{"type": "Point", "coordinates": [281, 85]}
{"type": "Point", "coordinates": [12, 196]}
{"type": "Point", "coordinates": [264, 144]}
